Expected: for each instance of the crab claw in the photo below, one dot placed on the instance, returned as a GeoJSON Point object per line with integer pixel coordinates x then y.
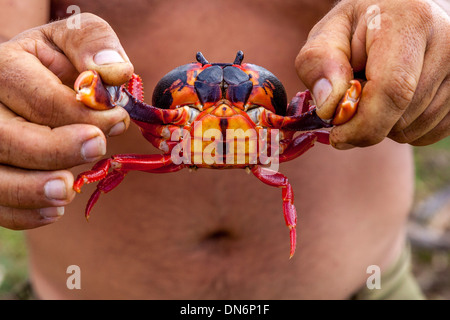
{"type": "Point", "coordinates": [346, 108]}
{"type": "Point", "coordinates": [91, 92]}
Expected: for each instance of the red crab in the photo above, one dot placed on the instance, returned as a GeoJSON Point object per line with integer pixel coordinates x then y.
{"type": "Point", "coordinates": [199, 111]}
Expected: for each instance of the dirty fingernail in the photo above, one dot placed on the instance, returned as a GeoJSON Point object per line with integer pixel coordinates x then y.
{"type": "Point", "coordinates": [108, 57]}
{"type": "Point", "coordinates": [93, 148]}
{"type": "Point", "coordinates": [52, 212]}
{"type": "Point", "coordinates": [55, 190]}
{"type": "Point", "coordinates": [321, 91]}
{"type": "Point", "coordinates": [117, 129]}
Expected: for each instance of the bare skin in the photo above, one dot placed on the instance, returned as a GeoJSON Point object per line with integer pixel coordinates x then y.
{"type": "Point", "coordinates": [212, 233]}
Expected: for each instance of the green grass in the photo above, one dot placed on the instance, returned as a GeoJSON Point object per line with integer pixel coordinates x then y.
{"type": "Point", "coordinates": [13, 261]}
{"type": "Point", "coordinates": [432, 168]}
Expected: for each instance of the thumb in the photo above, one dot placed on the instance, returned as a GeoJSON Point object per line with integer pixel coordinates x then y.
{"type": "Point", "coordinates": [323, 64]}
{"type": "Point", "coordinates": [95, 46]}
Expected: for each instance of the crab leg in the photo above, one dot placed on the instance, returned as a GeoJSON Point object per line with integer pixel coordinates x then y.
{"type": "Point", "coordinates": [308, 120]}
{"type": "Point", "coordinates": [91, 91]}
{"type": "Point", "coordinates": [121, 165]}
{"type": "Point", "coordinates": [302, 115]}
{"type": "Point", "coordinates": [277, 179]}
{"type": "Point", "coordinates": [111, 180]}
{"type": "Point", "coordinates": [300, 104]}
{"type": "Point", "coordinates": [302, 143]}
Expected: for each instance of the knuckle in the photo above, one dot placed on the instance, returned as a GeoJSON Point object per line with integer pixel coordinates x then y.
{"type": "Point", "coordinates": [8, 219]}
{"type": "Point", "coordinates": [402, 131]}
{"type": "Point", "coordinates": [41, 108]}
{"type": "Point", "coordinates": [54, 153]}
{"type": "Point", "coordinates": [310, 51]}
{"type": "Point", "coordinates": [91, 21]}
{"type": "Point", "coordinates": [400, 89]}
{"type": "Point", "coordinates": [421, 9]}
{"type": "Point", "coordinates": [5, 146]}
{"type": "Point", "coordinates": [399, 131]}
{"type": "Point", "coordinates": [20, 219]}
{"type": "Point", "coordinates": [400, 136]}
{"type": "Point", "coordinates": [307, 60]}
{"type": "Point", "coordinates": [52, 158]}
{"type": "Point", "coordinates": [13, 195]}
{"type": "Point", "coordinates": [93, 29]}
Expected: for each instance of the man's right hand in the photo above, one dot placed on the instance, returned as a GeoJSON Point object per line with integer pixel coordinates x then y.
{"type": "Point", "coordinates": [43, 129]}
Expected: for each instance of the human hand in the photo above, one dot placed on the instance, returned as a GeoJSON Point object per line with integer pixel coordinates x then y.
{"type": "Point", "coordinates": [43, 129]}
{"type": "Point", "coordinates": [403, 47]}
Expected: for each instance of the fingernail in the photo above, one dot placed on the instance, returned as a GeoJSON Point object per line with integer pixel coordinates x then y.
{"type": "Point", "coordinates": [93, 149]}
{"type": "Point", "coordinates": [321, 91]}
{"type": "Point", "coordinates": [52, 212]}
{"type": "Point", "coordinates": [117, 129]}
{"type": "Point", "coordinates": [55, 190]}
{"type": "Point", "coordinates": [108, 57]}
{"type": "Point", "coordinates": [344, 146]}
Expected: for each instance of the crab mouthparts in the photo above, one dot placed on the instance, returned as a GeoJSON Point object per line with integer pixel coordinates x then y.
{"type": "Point", "coordinates": [223, 109]}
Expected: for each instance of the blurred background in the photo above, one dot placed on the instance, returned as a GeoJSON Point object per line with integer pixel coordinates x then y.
{"type": "Point", "coordinates": [428, 230]}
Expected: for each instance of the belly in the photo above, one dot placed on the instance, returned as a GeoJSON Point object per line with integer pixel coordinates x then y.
{"type": "Point", "coordinates": [220, 234]}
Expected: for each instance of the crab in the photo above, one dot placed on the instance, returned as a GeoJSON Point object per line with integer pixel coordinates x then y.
{"type": "Point", "coordinates": [213, 115]}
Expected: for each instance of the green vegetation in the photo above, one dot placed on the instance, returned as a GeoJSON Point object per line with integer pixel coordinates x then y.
{"type": "Point", "coordinates": [13, 261]}
{"type": "Point", "coordinates": [432, 168]}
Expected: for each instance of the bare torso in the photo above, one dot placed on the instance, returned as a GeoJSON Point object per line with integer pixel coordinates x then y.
{"type": "Point", "coordinates": [220, 233]}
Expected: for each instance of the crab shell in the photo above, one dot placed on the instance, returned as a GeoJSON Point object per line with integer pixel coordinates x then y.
{"type": "Point", "coordinates": [224, 101]}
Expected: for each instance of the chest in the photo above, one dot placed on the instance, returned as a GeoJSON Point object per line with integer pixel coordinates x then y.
{"type": "Point", "coordinates": [160, 35]}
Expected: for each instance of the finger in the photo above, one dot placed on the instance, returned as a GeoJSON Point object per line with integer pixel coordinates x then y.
{"type": "Point", "coordinates": [395, 55]}
{"type": "Point", "coordinates": [31, 146]}
{"type": "Point", "coordinates": [35, 93]}
{"type": "Point", "coordinates": [25, 189]}
{"type": "Point", "coordinates": [430, 101]}
{"type": "Point", "coordinates": [38, 95]}
{"type": "Point", "coordinates": [24, 219]}
{"type": "Point", "coordinates": [432, 113]}
{"type": "Point", "coordinates": [93, 46]}
{"type": "Point", "coordinates": [441, 131]}
{"type": "Point", "coordinates": [323, 63]}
